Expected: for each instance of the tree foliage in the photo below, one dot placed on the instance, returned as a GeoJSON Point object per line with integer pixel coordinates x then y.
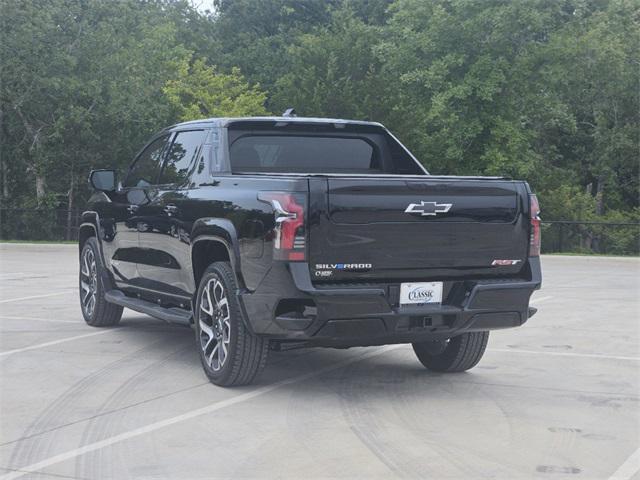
{"type": "Point", "coordinates": [544, 90]}
{"type": "Point", "coordinates": [198, 91]}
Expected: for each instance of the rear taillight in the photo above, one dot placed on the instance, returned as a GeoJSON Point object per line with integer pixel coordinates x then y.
{"type": "Point", "coordinates": [534, 211]}
{"type": "Point", "coordinates": [289, 239]}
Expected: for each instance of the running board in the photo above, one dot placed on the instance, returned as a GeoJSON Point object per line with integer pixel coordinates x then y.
{"type": "Point", "coordinates": [171, 315]}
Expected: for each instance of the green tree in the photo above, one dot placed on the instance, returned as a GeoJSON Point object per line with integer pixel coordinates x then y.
{"type": "Point", "coordinates": [588, 124]}
{"type": "Point", "coordinates": [453, 64]}
{"type": "Point", "coordinates": [81, 86]}
{"type": "Point", "coordinates": [334, 72]}
{"type": "Point", "coordinates": [254, 35]}
{"type": "Point", "coordinates": [199, 91]}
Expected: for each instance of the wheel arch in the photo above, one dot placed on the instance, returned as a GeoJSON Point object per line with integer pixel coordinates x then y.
{"type": "Point", "coordinates": [89, 227]}
{"type": "Point", "coordinates": [85, 231]}
{"type": "Point", "coordinates": [215, 240]}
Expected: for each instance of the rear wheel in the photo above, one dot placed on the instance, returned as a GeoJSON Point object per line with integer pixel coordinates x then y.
{"type": "Point", "coordinates": [229, 353]}
{"type": "Point", "coordinates": [456, 354]}
{"type": "Point", "coordinates": [96, 311]}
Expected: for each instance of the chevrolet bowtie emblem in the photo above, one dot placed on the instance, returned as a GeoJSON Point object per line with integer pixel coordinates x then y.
{"type": "Point", "coordinates": [428, 208]}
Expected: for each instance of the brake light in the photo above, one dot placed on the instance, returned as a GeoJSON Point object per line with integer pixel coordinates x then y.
{"type": "Point", "coordinates": [289, 242]}
{"type": "Point", "coordinates": [534, 211]}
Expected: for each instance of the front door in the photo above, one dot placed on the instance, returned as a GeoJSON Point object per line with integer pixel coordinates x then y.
{"type": "Point", "coordinates": [129, 200]}
{"type": "Point", "coordinates": [119, 234]}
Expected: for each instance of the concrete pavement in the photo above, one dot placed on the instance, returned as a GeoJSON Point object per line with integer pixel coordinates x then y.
{"type": "Point", "coordinates": [557, 398]}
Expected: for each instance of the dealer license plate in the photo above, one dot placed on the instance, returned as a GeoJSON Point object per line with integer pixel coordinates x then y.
{"type": "Point", "coordinates": [419, 293]}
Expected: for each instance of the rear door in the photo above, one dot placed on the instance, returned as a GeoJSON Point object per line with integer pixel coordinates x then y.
{"type": "Point", "coordinates": [165, 242]}
{"type": "Point", "coordinates": [410, 227]}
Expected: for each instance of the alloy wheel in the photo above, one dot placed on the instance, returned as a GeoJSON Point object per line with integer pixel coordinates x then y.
{"type": "Point", "coordinates": [88, 281]}
{"type": "Point", "coordinates": [215, 324]}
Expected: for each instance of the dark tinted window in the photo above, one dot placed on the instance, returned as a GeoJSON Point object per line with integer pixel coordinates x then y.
{"type": "Point", "coordinates": [303, 154]}
{"type": "Point", "coordinates": [147, 167]}
{"type": "Point", "coordinates": [402, 162]}
{"type": "Point", "coordinates": [182, 157]}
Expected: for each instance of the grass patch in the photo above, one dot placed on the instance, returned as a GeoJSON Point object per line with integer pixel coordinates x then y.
{"type": "Point", "coordinates": [584, 254]}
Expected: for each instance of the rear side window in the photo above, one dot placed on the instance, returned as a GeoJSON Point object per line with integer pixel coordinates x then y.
{"type": "Point", "coordinates": [182, 157]}
{"type": "Point", "coordinates": [303, 154]}
{"type": "Point", "coordinates": [146, 168]}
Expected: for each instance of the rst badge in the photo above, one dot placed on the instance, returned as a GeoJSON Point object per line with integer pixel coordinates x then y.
{"type": "Point", "coordinates": [428, 208]}
{"type": "Point", "coordinates": [502, 263]}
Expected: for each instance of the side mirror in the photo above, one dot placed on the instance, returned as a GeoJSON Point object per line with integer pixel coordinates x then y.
{"type": "Point", "coordinates": [103, 180]}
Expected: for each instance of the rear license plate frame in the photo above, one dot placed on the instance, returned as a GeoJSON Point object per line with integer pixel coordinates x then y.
{"type": "Point", "coordinates": [420, 293]}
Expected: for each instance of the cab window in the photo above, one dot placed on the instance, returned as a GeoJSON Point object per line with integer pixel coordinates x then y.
{"type": "Point", "coordinates": [183, 155]}
{"type": "Point", "coordinates": [146, 168]}
{"type": "Point", "coordinates": [303, 154]}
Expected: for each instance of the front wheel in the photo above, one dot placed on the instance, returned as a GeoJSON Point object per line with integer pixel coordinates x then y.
{"type": "Point", "coordinates": [456, 354]}
{"type": "Point", "coordinates": [96, 311]}
{"type": "Point", "coordinates": [229, 353]}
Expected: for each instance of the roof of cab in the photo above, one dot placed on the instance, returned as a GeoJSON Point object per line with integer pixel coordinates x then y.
{"type": "Point", "coordinates": [226, 121]}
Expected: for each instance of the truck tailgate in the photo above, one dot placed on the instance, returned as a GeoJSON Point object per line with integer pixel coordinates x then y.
{"type": "Point", "coordinates": [398, 227]}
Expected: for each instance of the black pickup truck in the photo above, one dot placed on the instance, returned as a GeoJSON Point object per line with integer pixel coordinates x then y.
{"type": "Point", "coordinates": [280, 232]}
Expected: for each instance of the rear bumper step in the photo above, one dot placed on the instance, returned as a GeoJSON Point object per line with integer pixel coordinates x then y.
{"type": "Point", "coordinates": [170, 315]}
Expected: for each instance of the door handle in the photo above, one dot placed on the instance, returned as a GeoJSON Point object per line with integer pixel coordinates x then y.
{"type": "Point", "coordinates": [171, 209]}
{"type": "Point", "coordinates": [132, 208]}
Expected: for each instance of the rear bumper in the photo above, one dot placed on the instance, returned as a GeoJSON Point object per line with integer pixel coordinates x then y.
{"type": "Point", "coordinates": [370, 314]}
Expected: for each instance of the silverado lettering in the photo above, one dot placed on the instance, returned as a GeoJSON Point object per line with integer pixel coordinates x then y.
{"type": "Point", "coordinates": [343, 266]}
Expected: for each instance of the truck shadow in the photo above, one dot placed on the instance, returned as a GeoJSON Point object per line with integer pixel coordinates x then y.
{"type": "Point", "coordinates": [304, 366]}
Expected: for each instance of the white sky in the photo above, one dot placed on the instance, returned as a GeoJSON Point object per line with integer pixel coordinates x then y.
{"type": "Point", "coordinates": [202, 5]}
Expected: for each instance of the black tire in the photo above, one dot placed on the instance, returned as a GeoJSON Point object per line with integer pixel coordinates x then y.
{"type": "Point", "coordinates": [96, 311]}
{"type": "Point", "coordinates": [222, 322]}
{"type": "Point", "coordinates": [458, 354]}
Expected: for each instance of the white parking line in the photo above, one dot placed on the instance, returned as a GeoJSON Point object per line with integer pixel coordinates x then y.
{"type": "Point", "coordinates": [152, 427]}
{"type": "Point", "coordinates": [54, 342]}
{"type": "Point", "coordinates": [563, 354]}
{"type": "Point", "coordinates": [36, 296]}
{"type": "Point", "coordinates": [629, 468]}
{"type": "Point", "coordinates": [33, 319]}
{"type": "Point", "coordinates": [540, 299]}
